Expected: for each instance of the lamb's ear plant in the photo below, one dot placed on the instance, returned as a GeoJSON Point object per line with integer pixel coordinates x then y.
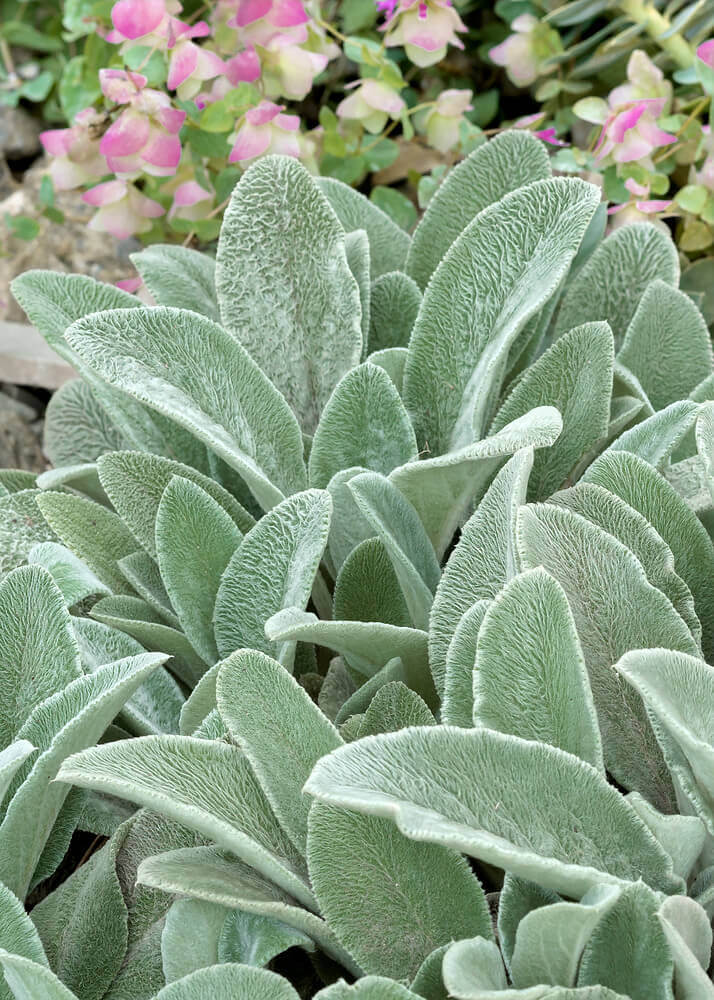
{"type": "Point", "coordinates": [368, 611]}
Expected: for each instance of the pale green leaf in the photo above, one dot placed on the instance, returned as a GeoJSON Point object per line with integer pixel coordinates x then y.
{"type": "Point", "coordinates": [442, 489]}
{"type": "Point", "coordinates": [348, 528]}
{"type": "Point", "coordinates": [503, 267]}
{"type": "Point", "coordinates": [169, 360]}
{"type": "Point", "coordinates": [396, 523]}
{"type": "Point", "coordinates": [285, 290]}
{"type": "Point", "coordinates": [536, 687]}
{"type": "Point", "coordinates": [367, 646]}
{"type": "Point", "coordinates": [12, 758]}
{"type": "Point", "coordinates": [135, 482]}
{"type": "Point", "coordinates": [482, 562]}
{"type": "Point", "coordinates": [363, 424]}
{"type": "Point", "coordinates": [357, 251]}
{"type": "Point", "coordinates": [639, 485]}
{"type": "Point", "coordinates": [18, 934]}
{"type": "Point", "coordinates": [615, 609]}
{"type": "Point", "coordinates": [610, 285]}
{"type": "Point", "coordinates": [463, 789]}
{"type": "Point", "coordinates": [178, 276]}
{"type": "Point", "coordinates": [388, 243]}
{"type": "Point", "coordinates": [77, 427]}
{"type": "Point", "coordinates": [229, 982]}
{"type": "Point", "coordinates": [657, 437]}
{"type": "Point", "coordinates": [394, 306]}
{"type": "Point", "coordinates": [628, 951]}
{"type": "Point", "coordinates": [195, 541]}
{"type": "Point", "coordinates": [689, 935]}
{"type": "Point", "coordinates": [75, 580]}
{"type": "Point", "coordinates": [428, 982]}
{"type": "Point", "coordinates": [205, 785]}
{"type": "Point", "coordinates": [510, 161]}
{"type": "Point", "coordinates": [189, 940]}
{"type": "Point", "coordinates": [667, 345]}
{"type": "Point", "coordinates": [96, 535]}
{"type": "Point", "coordinates": [279, 728]}
{"type": "Point", "coordinates": [574, 376]}
{"type": "Point", "coordinates": [38, 652]}
{"type": "Point", "coordinates": [82, 478]}
{"type": "Point", "coordinates": [366, 988]}
{"type": "Point", "coordinates": [393, 360]}
{"type": "Point", "coordinates": [200, 703]}
{"type": "Point", "coordinates": [29, 980]}
{"type": "Point", "coordinates": [457, 706]}
{"type": "Point", "coordinates": [61, 725]}
{"type": "Point", "coordinates": [21, 526]}
{"type": "Point", "coordinates": [682, 837]}
{"type": "Point", "coordinates": [143, 574]}
{"type": "Point", "coordinates": [394, 707]}
{"type": "Point", "coordinates": [273, 568]}
{"type": "Point", "coordinates": [253, 939]}
{"type": "Point", "coordinates": [367, 588]}
{"type": "Point", "coordinates": [390, 900]}
{"type": "Point", "coordinates": [518, 898]}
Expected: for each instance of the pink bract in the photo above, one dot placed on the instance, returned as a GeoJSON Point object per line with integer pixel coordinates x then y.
{"type": "Point", "coordinates": [705, 52]}
{"type": "Point", "coordinates": [136, 18]}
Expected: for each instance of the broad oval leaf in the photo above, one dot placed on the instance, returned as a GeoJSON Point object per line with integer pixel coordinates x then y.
{"type": "Point", "coordinates": [178, 276]}
{"type": "Point", "coordinates": [285, 289]}
{"type": "Point", "coordinates": [363, 424]}
{"type": "Point", "coordinates": [394, 305]}
{"type": "Point", "coordinates": [229, 982]}
{"type": "Point", "coordinates": [273, 568]}
{"type": "Point", "coordinates": [457, 705]}
{"type": "Point", "coordinates": [497, 274]}
{"type": "Point", "coordinates": [441, 784]}
{"type": "Point", "coordinates": [169, 360]}
{"type": "Point", "coordinates": [510, 161]}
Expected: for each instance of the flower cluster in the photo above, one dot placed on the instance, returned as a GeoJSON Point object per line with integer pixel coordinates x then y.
{"type": "Point", "coordinates": [652, 146]}
{"type": "Point", "coordinates": [185, 103]}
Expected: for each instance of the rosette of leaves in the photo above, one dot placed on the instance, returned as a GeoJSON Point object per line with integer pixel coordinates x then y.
{"type": "Point", "coordinates": [370, 595]}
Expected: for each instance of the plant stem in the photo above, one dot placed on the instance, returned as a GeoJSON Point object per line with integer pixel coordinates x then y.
{"type": "Point", "coordinates": [656, 24]}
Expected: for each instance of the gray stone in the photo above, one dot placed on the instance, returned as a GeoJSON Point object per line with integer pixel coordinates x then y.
{"type": "Point", "coordinates": [19, 134]}
{"type": "Point", "coordinates": [20, 436]}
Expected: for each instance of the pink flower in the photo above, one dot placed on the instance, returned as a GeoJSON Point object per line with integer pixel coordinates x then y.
{"type": "Point", "coordinates": [191, 201]}
{"type": "Point", "coordinates": [443, 121]}
{"type": "Point", "coordinates": [517, 54]}
{"type": "Point", "coordinates": [75, 151]}
{"type": "Point", "coordinates": [259, 21]}
{"type": "Point", "coordinates": [145, 135]}
{"type": "Point", "coordinates": [143, 20]}
{"type": "Point", "coordinates": [550, 136]}
{"type": "Point", "coordinates": [130, 285]}
{"type": "Point", "coordinates": [243, 67]}
{"type": "Point", "coordinates": [632, 133]}
{"type": "Point", "coordinates": [424, 28]}
{"type": "Point", "coordinates": [123, 210]}
{"type": "Point", "coordinates": [644, 81]}
{"type": "Point", "coordinates": [372, 103]}
{"type": "Point", "coordinates": [190, 66]}
{"type": "Point", "coordinates": [120, 85]}
{"type": "Point", "coordinates": [266, 130]}
{"type": "Point", "coordinates": [705, 52]}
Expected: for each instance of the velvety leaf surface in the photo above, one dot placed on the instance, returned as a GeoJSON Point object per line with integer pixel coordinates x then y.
{"type": "Point", "coordinates": [21, 526]}
{"type": "Point", "coordinates": [390, 900]}
{"type": "Point", "coordinates": [205, 785]}
{"type": "Point", "coordinates": [279, 728]}
{"type": "Point", "coordinates": [285, 289]}
{"type": "Point", "coordinates": [530, 677]}
{"type": "Point", "coordinates": [77, 427]}
{"type": "Point", "coordinates": [75, 581]}
{"type": "Point", "coordinates": [657, 437]}
{"type": "Point", "coordinates": [367, 588]}
{"type": "Point", "coordinates": [388, 243]}
{"type": "Point", "coordinates": [273, 568]}
{"type": "Point", "coordinates": [509, 161]}
{"type": "Point", "coordinates": [195, 541]}
{"type": "Point", "coordinates": [167, 359]}
{"type": "Point", "coordinates": [464, 774]}
{"type": "Point", "coordinates": [357, 251]}
{"type": "Point", "coordinates": [229, 982]}
{"type": "Point", "coordinates": [610, 285]}
{"type": "Point", "coordinates": [366, 988]}
{"type": "Point", "coordinates": [588, 563]}
{"type": "Point", "coordinates": [395, 301]}
{"type": "Point", "coordinates": [574, 376]}
{"type": "Point", "coordinates": [29, 980]}
{"type": "Point", "coordinates": [496, 275]}
{"type": "Point", "coordinates": [18, 934]}
{"type": "Point", "coordinates": [483, 560]}
{"type": "Point", "coordinates": [178, 276]}
{"type": "Point", "coordinates": [363, 424]}
{"type": "Point", "coordinates": [190, 937]}
{"type": "Point", "coordinates": [457, 706]}
{"type": "Point", "coordinates": [667, 345]}
{"type": "Point", "coordinates": [394, 707]}
{"type": "Point", "coordinates": [252, 939]}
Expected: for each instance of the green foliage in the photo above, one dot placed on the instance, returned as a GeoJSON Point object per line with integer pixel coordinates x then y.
{"type": "Point", "coordinates": [391, 691]}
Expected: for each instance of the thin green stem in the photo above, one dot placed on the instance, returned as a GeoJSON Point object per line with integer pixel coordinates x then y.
{"type": "Point", "coordinates": [656, 25]}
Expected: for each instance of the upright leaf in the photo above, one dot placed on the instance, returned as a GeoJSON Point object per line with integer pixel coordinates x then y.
{"type": "Point", "coordinates": [28, 980]}
{"type": "Point", "coordinates": [285, 290]}
{"type": "Point", "coordinates": [615, 609]}
{"type": "Point", "coordinates": [388, 243]}
{"type": "Point", "coordinates": [178, 276]}
{"type": "Point", "coordinates": [464, 789]}
{"type": "Point", "coordinates": [394, 305]}
{"type": "Point", "coordinates": [18, 934]}
{"type": "Point", "coordinates": [483, 561]}
{"type": "Point", "coordinates": [357, 251]}
{"type": "Point", "coordinates": [574, 376]}
{"type": "Point", "coordinates": [497, 274]}
{"type": "Point", "coordinates": [536, 687]}
{"type": "Point", "coordinates": [77, 427]}
{"type": "Point", "coordinates": [195, 541]}
{"type": "Point", "coordinates": [510, 161]}
{"type": "Point", "coordinates": [363, 424]}
{"type": "Point", "coordinates": [667, 345]}
{"type": "Point", "coordinates": [279, 728]}
{"type": "Point", "coordinates": [38, 653]}
{"type": "Point", "coordinates": [457, 705]}
{"type": "Point", "coordinates": [610, 285]}
{"type": "Point", "coordinates": [273, 568]}
{"type": "Point", "coordinates": [229, 982]}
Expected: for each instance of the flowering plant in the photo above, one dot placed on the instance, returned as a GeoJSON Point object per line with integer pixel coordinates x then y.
{"type": "Point", "coordinates": [184, 104]}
